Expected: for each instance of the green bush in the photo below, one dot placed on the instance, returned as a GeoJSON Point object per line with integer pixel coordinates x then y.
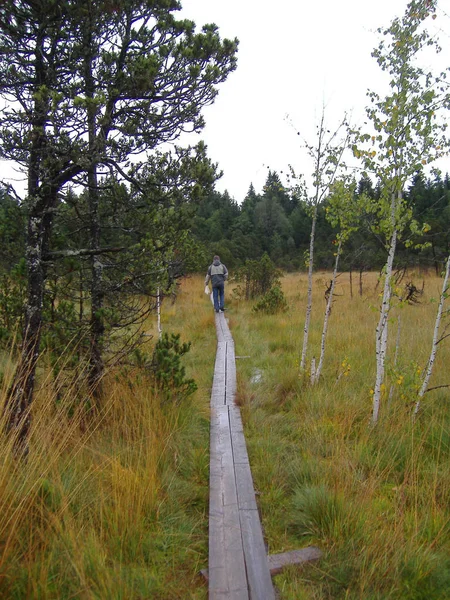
{"type": "Point", "coordinates": [272, 302]}
{"type": "Point", "coordinates": [167, 370]}
{"type": "Point", "coordinates": [257, 277]}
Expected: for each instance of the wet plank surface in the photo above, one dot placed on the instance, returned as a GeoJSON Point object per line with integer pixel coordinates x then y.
{"type": "Point", "coordinates": [238, 563]}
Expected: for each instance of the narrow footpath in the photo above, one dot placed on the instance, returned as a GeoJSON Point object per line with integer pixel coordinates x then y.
{"type": "Point", "coordinates": [238, 562]}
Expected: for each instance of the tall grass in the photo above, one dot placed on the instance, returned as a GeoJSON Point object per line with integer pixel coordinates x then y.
{"type": "Point", "coordinates": [374, 499]}
{"type": "Point", "coordinates": [114, 506]}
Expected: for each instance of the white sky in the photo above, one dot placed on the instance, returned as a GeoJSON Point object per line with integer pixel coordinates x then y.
{"type": "Point", "coordinates": [294, 57]}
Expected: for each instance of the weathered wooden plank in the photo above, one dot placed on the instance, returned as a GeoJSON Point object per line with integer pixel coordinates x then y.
{"type": "Point", "coordinates": [238, 566]}
{"type": "Point", "coordinates": [240, 454]}
{"type": "Point", "coordinates": [227, 576]}
{"type": "Point", "coordinates": [244, 486]}
{"type": "Point", "coordinates": [258, 574]}
{"type": "Point", "coordinates": [227, 464]}
{"type": "Point", "coordinates": [221, 327]}
{"type": "Point", "coordinates": [218, 392]}
{"type": "Point", "coordinates": [219, 366]}
{"type": "Point", "coordinates": [277, 562]}
{"type": "Point", "coordinates": [231, 374]}
{"type": "Point", "coordinates": [226, 558]}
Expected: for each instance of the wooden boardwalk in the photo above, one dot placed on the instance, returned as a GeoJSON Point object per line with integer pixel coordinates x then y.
{"type": "Point", "coordinates": [238, 563]}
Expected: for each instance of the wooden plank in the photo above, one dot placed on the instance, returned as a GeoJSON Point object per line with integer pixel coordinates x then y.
{"type": "Point", "coordinates": [219, 366]}
{"type": "Point", "coordinates": [244, 486]}
{"type": "Point", "coordinates": [258, 574]}
{"type": "Point", "coordinates": [222, 329]}
{"type": "Point", "coordinates": [277, 562]}
{"type": "Point", "coordinates": [227, 576]}
{"type": "Point", "coordinates": [238, 566]}
{"type": "Point", "coordinates": [231, 374]}
{"type": "Point", "coordinates": [240, 454]}
{"type": "Point", "coordinates": [227, 463]}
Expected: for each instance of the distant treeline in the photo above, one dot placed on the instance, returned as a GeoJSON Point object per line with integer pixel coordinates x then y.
{"type": "Point", "coordinates": [278, 221]}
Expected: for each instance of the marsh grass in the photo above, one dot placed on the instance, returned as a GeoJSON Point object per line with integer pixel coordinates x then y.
{"type": "Point", "coordinates": [374, 499]}
{"type": "Point", "coordinates": [116, 506]}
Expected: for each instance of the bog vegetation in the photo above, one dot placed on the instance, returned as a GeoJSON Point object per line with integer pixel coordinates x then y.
{"type": "Point", "coordinates": [117, 506]}
{"type": "Point", "coordinates": [104, 422]}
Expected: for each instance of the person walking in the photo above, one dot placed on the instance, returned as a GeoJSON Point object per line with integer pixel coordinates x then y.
{"type": "Point", "coordinates": [218, 274]}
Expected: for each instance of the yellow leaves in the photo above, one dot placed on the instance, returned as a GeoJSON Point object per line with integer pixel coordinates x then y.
{"type": "Point", "coordinates": [346, 367]}
{"type": "Point", "coordinates": [424, 162]}
{"type": "Point", "coordinates": [400, 380]}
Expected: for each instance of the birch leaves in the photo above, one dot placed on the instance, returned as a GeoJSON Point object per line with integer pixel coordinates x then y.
{"type": "Point", "coordinates": [408, 134]}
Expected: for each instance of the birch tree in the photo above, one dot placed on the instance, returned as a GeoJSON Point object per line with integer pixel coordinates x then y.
{"type": "Point", "coordinates": [342, 212]}
{"type": "Point", "coordinates": [327, 159]}
{"type": "Point", "coordinates": [436, 337]}
{"type": "Point", "coordinates": [407, 135]}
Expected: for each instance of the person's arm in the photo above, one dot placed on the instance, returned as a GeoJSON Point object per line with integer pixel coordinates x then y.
{"type": "Point", "coordinates": [225, 272]}
{"type": "Point", "coordinates": [208, 276]}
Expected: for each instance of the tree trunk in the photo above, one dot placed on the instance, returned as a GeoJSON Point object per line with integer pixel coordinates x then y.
{"type": "Point", "coordinates": [39, 201]}
{"type": "Point", "coordinates": [382, 327]}
{"type": "Point", "coordinates": [97, 327]}
{"type": "Point", "coordinates": [310, 286]}
{"type": "Point", "coordinates": [327, 315]}
{"type": "Point", "coordinates": [436, 340]}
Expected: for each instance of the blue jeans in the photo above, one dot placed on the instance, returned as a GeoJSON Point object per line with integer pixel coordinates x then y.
{"type": "Point", "coordinates": [218, 296]}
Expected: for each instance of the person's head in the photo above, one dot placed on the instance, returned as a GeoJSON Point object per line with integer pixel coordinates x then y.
{"type": "Point", "coordinates": [216, 258]}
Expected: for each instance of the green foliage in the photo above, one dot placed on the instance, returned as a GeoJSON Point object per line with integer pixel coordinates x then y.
{"type": "Point", "coordinates": [12, 300]}
{"type": "Point", "coordinates": [258, 277]}
{"type": "Point", "coordinates": [168, 372]}
{"type": "Point", "coordinates": [12, 232]}
{"type": "Point", "coordinates": [409, 127]}
{"type": "Point", "coordinates": [272, 302]}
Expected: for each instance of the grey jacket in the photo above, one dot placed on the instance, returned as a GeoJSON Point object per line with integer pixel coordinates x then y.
{"type": "Point", "coordinates": [217, 273]}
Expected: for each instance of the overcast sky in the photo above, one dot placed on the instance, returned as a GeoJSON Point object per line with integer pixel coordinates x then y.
{"type": "Point", "coordinates": [294, 57]}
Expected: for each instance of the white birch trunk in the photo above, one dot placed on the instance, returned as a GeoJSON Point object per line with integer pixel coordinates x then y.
{"type": "Point", "coordinates": [435, 341]}
{"type": "Point", "coordinates": [313, 369]}
{"type": "Point", "coordinates": [327, 314]}
{"type": "Point", "coordinates": [310, 286]}
{"type": "Point", "coordinates": [382, 329]}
